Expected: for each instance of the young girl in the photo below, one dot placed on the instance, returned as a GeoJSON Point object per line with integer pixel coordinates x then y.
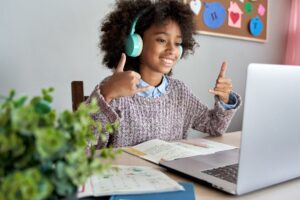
{"type": "Point", "coordinates": [141, 94]}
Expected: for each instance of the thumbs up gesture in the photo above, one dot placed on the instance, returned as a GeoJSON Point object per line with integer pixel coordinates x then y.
{"type": "Point", "coordinates": [223, 85]}
{"type": "Point", "coordinates": [121, 83]}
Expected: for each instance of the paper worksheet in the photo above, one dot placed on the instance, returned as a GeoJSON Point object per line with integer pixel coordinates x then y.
{"type": "Point", "coordinates": [155, 150]}
{"type": "Point", "coordinates": [128, 180]}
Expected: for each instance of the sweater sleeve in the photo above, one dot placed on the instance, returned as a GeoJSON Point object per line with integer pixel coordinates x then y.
{"type": "Point", "coordinates": [105, 115]}
{"type": "Point", "coordinates": [213, 121]}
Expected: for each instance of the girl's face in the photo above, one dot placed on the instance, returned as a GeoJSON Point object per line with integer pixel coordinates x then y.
{"type": "Point", "coordinates": [160, 48]}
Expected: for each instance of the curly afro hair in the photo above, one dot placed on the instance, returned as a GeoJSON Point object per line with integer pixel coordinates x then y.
{"type": "Point", "coordinates": [116, 27]}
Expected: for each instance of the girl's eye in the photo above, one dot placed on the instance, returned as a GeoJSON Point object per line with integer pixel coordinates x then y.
{"type": "Point", "coordinates": [178, 43]}
{"type": "Point", "coordinates": [160, 40]}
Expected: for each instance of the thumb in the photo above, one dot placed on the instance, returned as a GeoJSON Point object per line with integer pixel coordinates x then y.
{"type": "Point", "coordinates": [121, 64]}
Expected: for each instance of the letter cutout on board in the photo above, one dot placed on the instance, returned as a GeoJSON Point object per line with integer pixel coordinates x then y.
{"type": "Point", "coordinates": [256, 26]}
{"type": "Point", "coordinates": [214, 15]}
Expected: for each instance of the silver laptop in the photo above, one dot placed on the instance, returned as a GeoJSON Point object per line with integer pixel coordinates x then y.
{"type": "Point", "coordinates": [270, 141]}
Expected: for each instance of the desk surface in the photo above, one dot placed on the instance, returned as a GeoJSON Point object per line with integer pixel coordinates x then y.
{"type": "Point", "coordinates": [288, 190]}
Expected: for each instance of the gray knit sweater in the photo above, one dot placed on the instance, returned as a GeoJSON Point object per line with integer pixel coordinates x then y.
{"type": "Point", "coordinates": [167, 117]}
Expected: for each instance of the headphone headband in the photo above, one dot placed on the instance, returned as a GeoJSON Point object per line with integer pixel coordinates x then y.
{"type": "Point", "coordinates": [134, 42]}
{"type": "Point", "coordinates": [133, 25]}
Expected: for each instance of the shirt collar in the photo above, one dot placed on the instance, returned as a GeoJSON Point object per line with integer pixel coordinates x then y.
{"type": "Point", "coordinates": [154, 91]}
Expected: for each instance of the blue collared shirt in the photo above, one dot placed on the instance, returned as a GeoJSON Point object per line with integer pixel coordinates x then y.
{"type": "Point", "coordinates": [154, 91]}
{"type": "Point", "coordinates": [161, 90]}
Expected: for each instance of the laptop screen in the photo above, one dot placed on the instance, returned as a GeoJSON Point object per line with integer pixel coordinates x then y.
{"type": "Point", "coordinates": [270, 146]}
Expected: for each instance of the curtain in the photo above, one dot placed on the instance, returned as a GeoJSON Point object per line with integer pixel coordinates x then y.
{"type": "Point", "coordinates": [292, 54]}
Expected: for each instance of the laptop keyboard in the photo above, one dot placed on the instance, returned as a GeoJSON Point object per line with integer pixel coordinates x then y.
{"type": "Point", "coordinates": [228, 173]}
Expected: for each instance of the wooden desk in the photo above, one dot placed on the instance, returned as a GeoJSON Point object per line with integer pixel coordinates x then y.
{"type": "Point", "coordinates": [289, 190]}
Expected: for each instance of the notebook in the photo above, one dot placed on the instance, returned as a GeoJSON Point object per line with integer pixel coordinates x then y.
{"type": "Point", "coordinates": [124, 179]}
{"type": "Point", "coordinates": [270, 136]}
{"type": "Point", "coordinates": [187, 194]}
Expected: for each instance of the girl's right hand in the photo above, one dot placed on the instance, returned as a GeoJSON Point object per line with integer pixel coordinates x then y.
{"type": "Point", "coordinates": [121, 83]}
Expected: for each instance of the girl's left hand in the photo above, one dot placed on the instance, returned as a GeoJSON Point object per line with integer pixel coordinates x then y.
{"type": "Point", "coordinates": [223, 85]}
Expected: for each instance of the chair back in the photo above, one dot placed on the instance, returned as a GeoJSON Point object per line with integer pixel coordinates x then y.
{"type": "Point", "coordinates": [77, 94]}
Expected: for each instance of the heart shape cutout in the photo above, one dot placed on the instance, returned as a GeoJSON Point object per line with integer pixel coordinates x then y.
{"type": "Point", "coordinates": [234, 17]}
{"type": "Point", "coordinates": [195, 6]}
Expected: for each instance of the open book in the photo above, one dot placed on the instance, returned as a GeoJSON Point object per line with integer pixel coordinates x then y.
{"type": "Point", "coordinates": [156, 150]}
{"type": "Point", "coordinates": [128, 180]}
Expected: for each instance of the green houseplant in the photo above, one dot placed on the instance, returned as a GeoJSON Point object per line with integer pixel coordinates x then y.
{"type": "Point", "coordinates": [42, 153]}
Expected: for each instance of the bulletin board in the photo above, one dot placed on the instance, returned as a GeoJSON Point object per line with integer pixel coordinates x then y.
{"type": "Point", "coordinates": [240, 19]}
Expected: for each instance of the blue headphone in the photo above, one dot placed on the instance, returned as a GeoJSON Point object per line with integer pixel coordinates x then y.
{"type": "Point", "coordinates": [134, 42]}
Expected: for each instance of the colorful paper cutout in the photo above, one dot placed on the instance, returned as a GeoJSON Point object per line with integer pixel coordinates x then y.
{"type": "Point", "coordinates": [235, 15]}
{"type": "Point", "coordinates": [214, 15]}
{"type": "Point", "coordinates": [248, 7]}
{"type": "Point", "coordinates": [256, 26]}
{"type": "Point", "coordinates": [209, 18]}
{"type": "Point", "coordinates": [261, 10]}
{"type": "Point", "coordinates": [195, 6]}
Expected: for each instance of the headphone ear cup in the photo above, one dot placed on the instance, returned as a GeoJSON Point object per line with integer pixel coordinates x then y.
{"type": "Point", "coordinates": [180, 52]}
{"type": "Point", "coordinates": [133, 45]}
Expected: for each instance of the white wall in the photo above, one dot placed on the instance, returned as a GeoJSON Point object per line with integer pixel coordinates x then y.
{"type": "Point", "coordinates": [50, 43]}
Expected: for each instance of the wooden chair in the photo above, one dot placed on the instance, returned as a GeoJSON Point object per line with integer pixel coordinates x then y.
{"type": "Point", "coordinates": [77, 94]}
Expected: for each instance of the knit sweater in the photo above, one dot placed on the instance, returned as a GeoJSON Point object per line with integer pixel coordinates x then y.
{"type": "Point", "coordinates": [167, 117]}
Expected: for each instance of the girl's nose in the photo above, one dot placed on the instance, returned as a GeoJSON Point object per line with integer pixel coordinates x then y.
{"type": "Point", "coordinates": [171, 47]}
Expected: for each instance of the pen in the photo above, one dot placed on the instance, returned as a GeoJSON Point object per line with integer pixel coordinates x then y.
{"type": "Point", "coordinates": [202, 145]}
{"type": "Point", "coordinates": [197, 144]}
